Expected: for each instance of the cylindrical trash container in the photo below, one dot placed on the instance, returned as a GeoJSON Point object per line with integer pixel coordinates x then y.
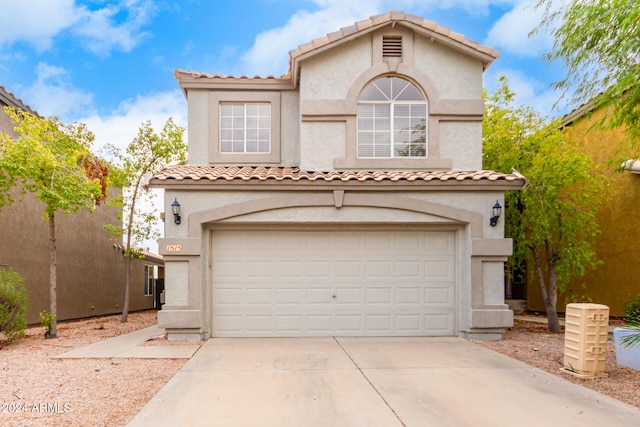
{"type": "Point", "coordinates": [585, 339]}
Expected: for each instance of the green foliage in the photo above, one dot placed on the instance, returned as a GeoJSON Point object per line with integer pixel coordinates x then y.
{"type": "Point", "coordinates": [13, 304]}
{"type": "Point", "coordinates": [50, 160]}
{"type": "Point", "coordinates": [552, 220]}
{"type": "Point", "coordinates": [632, 311]}
{"type": "Point", "coordinates": [147, 154]}
{"type": "Point", "coordinates": [632, 319]}
{"type": "Point", "coordinates": [597, 42]}
{"type": "Point", "coordinates": [47, 320]}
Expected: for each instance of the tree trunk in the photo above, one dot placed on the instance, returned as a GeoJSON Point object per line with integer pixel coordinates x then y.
{"type": "Point", "coordinates": [127, 286]}
{"type": "Point", "coordinates": [550, 298]}
{"type": "Point", "coordinates": [53, 306]}
{"type": "Point", "coordinates": [129, 254]}
{"type": "Point", "coordinates": [551, 304]}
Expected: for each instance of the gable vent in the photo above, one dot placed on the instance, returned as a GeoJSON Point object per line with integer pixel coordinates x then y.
{"type": "Point", "coordinates": [392, 46]}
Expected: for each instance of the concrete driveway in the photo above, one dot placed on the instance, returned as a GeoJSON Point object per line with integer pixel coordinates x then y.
{"type": "Point", "coordinates": [371, 382]}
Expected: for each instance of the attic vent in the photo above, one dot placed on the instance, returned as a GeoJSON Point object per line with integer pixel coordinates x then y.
{"type": "Point", "coordinates": [392, 46]}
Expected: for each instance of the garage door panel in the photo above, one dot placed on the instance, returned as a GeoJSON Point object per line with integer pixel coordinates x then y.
{"type": "Point", "coordinates": [408, 295]}
{"type": "Point", "coordinates": [378, 269]}
{"type": "Point", "coordinates": [439, 296]}
{"type": "Point", "coordinates": [286, 283]}
{"type": "Point", "coordinates": [379, 295]}
{"type": "Point", "coordinates": [348, 269]}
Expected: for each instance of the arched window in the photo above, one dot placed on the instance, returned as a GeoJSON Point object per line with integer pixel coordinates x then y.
{"type": "Point", "coordinates": [392, 120]}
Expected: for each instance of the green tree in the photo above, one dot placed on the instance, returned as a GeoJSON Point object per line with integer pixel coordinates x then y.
{"type": "Point", "coordinates": [53, 161]}
{"type": "Point", "coordinates": [597, 42]}
{"type": "Point", "coordinates": [147, 154]}
{"type": "Point", "coordinates": [552, 220]}
{"type": "Point", "coordinates": [13, 304]}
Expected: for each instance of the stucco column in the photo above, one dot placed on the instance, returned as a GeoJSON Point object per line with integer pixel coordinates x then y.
{"type": "Point", "coordinates": [489, 315]}
{"type": "Point", "coordinates": [181, 315]}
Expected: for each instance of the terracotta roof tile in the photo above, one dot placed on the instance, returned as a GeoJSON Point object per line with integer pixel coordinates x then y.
{"type": "Point", "coordinates": [248, 173]}
{"type": "Point", "coordinates": [10, 99]}
{"type": "Point", "coordinates": [396, 15]}
{"type": "Point", "coordinates": [347, 31]}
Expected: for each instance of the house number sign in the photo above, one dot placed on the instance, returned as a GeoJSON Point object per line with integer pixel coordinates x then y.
{"type": "Point", "coordinates": [174, 248]}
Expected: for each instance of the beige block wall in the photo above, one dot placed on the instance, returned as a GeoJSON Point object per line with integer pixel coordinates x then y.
{"type": "Point", "coordinates": [90, 272]}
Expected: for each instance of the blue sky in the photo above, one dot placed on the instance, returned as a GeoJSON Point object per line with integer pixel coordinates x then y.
{"type": "Point", "coordinates": [109, 63]}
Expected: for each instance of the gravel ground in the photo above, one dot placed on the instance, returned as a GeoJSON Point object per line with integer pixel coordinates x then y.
{"type": "Point", "coordinates": [36, 390]}
{"type": "Point", "coordinates": [533, 344]}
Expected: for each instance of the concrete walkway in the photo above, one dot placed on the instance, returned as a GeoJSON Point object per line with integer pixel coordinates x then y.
{"type": "Point", "coordinates": [371, 382]}
{"type": "Point", "coordinates": [128, 346]}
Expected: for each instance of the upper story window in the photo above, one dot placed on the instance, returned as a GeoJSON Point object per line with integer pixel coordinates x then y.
{"type": "Point", "coordinates": [245, 128]}
{"type": "Point", "coordinates": [392, 120]}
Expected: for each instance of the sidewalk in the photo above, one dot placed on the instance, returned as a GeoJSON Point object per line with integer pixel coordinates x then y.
{"type": "Point", "coordinates": [128, 346]}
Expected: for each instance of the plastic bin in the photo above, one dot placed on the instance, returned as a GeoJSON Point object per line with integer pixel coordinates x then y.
{"type": "Point", "coordinates": [585, 340]}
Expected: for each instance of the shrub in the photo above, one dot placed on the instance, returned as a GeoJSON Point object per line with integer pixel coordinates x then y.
{"type": "Point", "coordinates": [13, 304]}
{"type": "Point", "coordinates": [47, 320]}
{"type": "Point", "coordinates": [632, 318]}
{"type": "Point", "coordinates": [632, 311]}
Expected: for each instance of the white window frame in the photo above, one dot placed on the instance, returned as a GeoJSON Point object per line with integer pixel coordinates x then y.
{"type": "Point", "coordinates": [150, 276]}
{"type": "Point", "coordinates": [213, 101]}
{"type": "Point", "coordinates": [392, 103]}
{"type": "Point", "coordinates": [246, 128]}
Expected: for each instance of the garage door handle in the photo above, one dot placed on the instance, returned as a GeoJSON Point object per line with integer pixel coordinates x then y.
{"type": "Point", "coordinates": [333, 296]}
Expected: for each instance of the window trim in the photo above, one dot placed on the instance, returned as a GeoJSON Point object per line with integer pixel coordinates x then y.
{"type": "Point", "coordinates": [392, 103]}
{"type": "Point", "coordinates": [244, 128]}
{"type": "Point", "coordinates": [247, 159]}
{"type": "Point", "coordinates": [149, 286]}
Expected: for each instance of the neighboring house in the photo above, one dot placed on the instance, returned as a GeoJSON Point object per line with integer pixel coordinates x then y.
{"type": "Point", "coordinates": [618, 277]}
{"type": "Point", "coordinates": [343, 198]}
{"type": "Point", "coordinates": [91, 267]}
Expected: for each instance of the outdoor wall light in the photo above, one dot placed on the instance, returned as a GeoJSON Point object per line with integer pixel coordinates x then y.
{"type": "Point", "coordinates": [175, 208]}
{"type": "Point", "coordinates": [497, 210]}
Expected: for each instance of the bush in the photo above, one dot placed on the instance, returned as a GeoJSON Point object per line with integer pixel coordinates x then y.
{"type": "Point", "coordinates": [13, 304]}
{"type": "Point", "coordinates": [632, 311]}
{"type": "Point", "coordinates": [632, 319]}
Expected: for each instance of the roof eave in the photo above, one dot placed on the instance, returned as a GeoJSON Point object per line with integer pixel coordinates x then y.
{"type": "Point", "coordinates": [453, 40]}
{"type": "Point", "coordinates": [369, 185]}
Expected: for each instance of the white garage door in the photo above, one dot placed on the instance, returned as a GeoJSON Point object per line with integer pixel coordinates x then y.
{"type": "Point", "coordinates": [332, 283]}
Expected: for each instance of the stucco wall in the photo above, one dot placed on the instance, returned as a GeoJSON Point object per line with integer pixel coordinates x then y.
{"type": "Point", "coordinates": [91, 270]}
{"type": "Point", "coordinates": [618, 277]}
{"type": "Point", "coordinates": [456, 75]}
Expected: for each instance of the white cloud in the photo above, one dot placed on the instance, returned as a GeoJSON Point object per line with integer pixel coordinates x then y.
{"type": "Point", "coordinates": [511, 32]}
{"type": "Point", "coordinates": [38, 22]}
{"type": "Point", "coordinates": [35, 22]}
{"type": "Point", "coordinates": [121, 125]}
{"type": "Point", "coordinates": [52, 94]}
{"type": "Point", "coordinates": [267, 55]}
{"type": "Point", "coordinates": [102, 33]}
{"type": "Point", "coordinates": [529, 91]}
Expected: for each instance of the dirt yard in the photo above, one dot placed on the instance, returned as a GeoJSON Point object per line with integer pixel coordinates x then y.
{"type": "Point", "coordinates": [533, 344]}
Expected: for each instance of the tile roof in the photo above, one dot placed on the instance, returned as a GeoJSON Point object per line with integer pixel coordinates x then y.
{"type": "Point", "coordinates": [11, 100]}
{"type": "Point", "coordinates": [289, 174]}
{"type": "Point", "coordinates": [394, 16]}
{"type": "Point", "coordinates": [436, 31]}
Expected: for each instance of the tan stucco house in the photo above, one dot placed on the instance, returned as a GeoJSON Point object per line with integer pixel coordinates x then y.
{"type": "Point", "coordinates": [345, 198]}
{"type": "Point", "coordinates": [91, 265]}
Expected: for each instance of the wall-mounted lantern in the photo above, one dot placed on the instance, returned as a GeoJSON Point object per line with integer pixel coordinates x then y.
{"type": "Point", "coordinates": [497, 210]}
{"type": "Point", "coordinates": [175, 208]}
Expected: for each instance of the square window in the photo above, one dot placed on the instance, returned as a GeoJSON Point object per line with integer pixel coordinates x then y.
{"type": "Point", "coordinates": [243, 125]}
